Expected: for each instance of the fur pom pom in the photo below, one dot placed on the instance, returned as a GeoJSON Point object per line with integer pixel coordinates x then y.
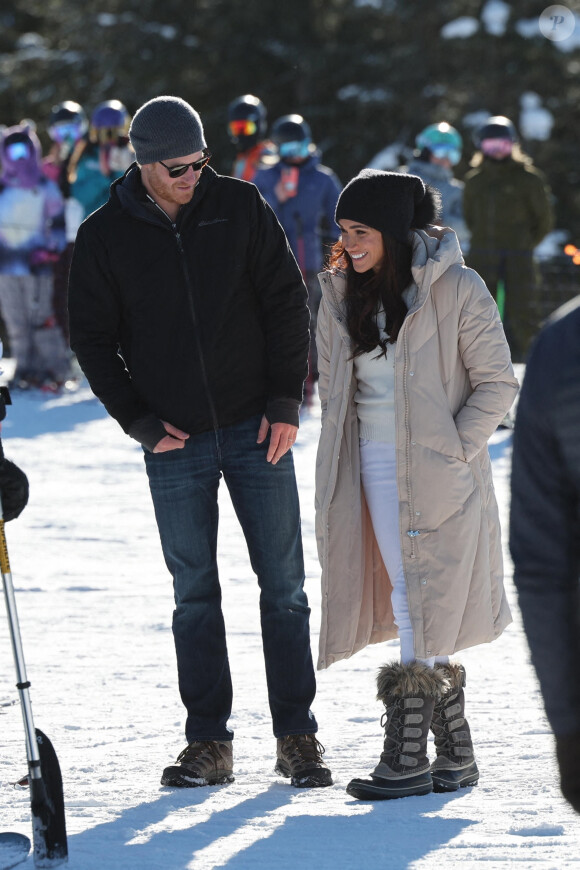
{"type": "Point", "coordinates": [455, 673]}
{"type": "Point", "coordinates": [415, 678]}
{"type": "Point", "coordinates": [428, 209]}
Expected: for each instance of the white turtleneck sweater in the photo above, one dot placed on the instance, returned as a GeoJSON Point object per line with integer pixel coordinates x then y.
{"type": "Point", "coordinates": [375, 396]}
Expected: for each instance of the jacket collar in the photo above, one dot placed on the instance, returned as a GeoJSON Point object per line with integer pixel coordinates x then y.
{"type": "Point", "coordinates": [130, 194]}
{"type": "Point", "coordinates": [434, 251]}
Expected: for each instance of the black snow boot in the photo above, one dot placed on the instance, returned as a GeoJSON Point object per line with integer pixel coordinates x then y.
{"type": "Point", "coordinates": [409, 693]}
{"type": "Point", "coordinates": [455, 765]}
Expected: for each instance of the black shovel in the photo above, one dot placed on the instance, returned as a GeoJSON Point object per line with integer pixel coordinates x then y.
{"type": "Point", "coordinates": [44, 777]}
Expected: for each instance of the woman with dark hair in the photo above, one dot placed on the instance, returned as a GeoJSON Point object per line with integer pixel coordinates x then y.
{"type": "Point", "coordinates": [415, 375]}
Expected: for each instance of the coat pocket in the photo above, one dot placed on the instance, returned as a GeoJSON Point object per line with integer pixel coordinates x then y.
{"type": "Point", "coordinates": [441, 485]}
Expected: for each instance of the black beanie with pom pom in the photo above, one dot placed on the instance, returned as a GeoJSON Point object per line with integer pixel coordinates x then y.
{"type": "Point", "coordinates": [392, 202]}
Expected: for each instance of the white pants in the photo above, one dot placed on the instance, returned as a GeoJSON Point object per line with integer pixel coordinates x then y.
{"type": "Point", "coordinates": [379, 481]}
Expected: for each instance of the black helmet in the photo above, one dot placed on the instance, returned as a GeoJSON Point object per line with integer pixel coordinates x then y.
{"type": "Point", "coordinates": [292, 135]}
{"type": "Point", "coordinates": [496, 127]}
{"type": "Point", "coordinates": [67, 122]}
{"type": "Point", "coordinates": [246, 120]}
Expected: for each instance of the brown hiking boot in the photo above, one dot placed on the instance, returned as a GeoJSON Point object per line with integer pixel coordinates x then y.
{"type": "Point", "coordinates": [203, 762]}
{"type": "Point", "coordinates": [300, 758]}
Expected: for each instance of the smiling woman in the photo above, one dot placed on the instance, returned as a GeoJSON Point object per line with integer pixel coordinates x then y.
{"type": "Point", "coordinates": [363, 245]}
{"type": "Point", "coordinates": [415, 375]}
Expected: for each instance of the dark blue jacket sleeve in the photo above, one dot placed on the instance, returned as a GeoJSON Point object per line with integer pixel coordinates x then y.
{"type": "Point", "coordinates": [544, 517]}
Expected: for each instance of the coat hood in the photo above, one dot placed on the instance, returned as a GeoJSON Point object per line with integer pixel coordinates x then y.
{"type": "Point", "coordinates": [435, 250]}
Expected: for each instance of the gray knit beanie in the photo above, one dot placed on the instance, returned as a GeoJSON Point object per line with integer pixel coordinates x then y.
{"type": "Point", "coordinates": [165, 128]}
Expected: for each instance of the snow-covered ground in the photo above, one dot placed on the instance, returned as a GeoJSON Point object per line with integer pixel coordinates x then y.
{"type": "Point", "coordinates": [95, 603]}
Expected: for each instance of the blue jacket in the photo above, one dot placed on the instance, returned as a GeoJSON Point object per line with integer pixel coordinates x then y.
{"type": "Point", "coordinates": [545, 514]}
{"type": "Point", "coordinates": [308, 217]}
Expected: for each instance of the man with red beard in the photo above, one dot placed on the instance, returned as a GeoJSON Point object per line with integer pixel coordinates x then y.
{"type": "Point", "coordinates": [188, 316]}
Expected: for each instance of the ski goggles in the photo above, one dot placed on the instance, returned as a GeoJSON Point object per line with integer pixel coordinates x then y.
{"type": "Point", "coordinates": [108, 135]}
{"type": "Point", "coordinates": [294, 149]}
{"type": "Point", "coordinates": [181, 169]}
{"type": "Point", "coordinates": [17, 151]}
{"type": "Point", "coordinates": [245, 127]}
{"type": "Point", "coordinates": [446, 152]}
{"type": "Point", "coordinates": [497, 148]}
{"type": "Point", "coordinates": [65, 132]}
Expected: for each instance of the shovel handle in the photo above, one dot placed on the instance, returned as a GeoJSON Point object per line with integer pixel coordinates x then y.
{"type": "Point", "coordinates": [22, 685]}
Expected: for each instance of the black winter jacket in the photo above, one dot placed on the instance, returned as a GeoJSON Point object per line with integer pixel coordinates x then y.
{"type": "Point", "coordinates": [545, 514]}
{"type": "Point", "coordinates": [202, 323]}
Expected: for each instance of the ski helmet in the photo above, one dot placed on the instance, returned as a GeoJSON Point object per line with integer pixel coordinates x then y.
{"type": "Point", "coordinates": [496, 127]}
{"type": "Point", "coordinates": [20, 156]}
{"type": "Point", "coordinates": [292, 135]}
{"type": "Point", "coordinates": [246, 121]}
{"type": "Point", "coordinates": [67, 122]}
{"type": "Point", "coordinates": [109, 121]}
{"type": "Point", "coordinates": [442, 141]}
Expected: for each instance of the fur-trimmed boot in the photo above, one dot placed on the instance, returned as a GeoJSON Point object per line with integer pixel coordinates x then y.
{"type": "Point", "coordinates": [455, 765]}
{"type": "Point", "coordinates": [409, 693]}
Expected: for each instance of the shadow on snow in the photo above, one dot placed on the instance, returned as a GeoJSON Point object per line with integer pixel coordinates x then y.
{"type": "Point", "coordinates": [268, 831]}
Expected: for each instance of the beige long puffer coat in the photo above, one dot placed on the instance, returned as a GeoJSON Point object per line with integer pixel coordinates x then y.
{"type": "Point", "coordinates": [454, 383]}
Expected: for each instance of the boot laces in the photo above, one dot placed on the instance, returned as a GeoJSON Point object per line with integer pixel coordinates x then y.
{"type": "Point", "coordinates": [304, 748]}
{"type": "Point", "coordinates": [445, 739]}
{"type": "Point", "coordinates": [199, 748]}
{"type": "Point", "coordinates": [394, 730]}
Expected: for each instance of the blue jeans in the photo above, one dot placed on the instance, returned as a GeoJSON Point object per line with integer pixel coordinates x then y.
{"type": "Point", "coordinates": [184, 486]}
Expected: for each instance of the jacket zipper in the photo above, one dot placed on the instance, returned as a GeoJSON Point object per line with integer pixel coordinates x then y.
{"type": "Point", "coordinates": [412, 533]}
{"type": "Point", "coordinates": [199, 348]}
{"type": "Point", "coordinates": [189, 287]}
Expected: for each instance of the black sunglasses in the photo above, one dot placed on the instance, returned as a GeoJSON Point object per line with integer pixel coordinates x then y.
{"type": "Point", "coordinates": [181, 169]}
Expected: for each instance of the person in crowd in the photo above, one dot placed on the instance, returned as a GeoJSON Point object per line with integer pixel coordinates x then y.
{"type": "Point", "coordinates": [303, 194]}
{"type": "Point", "coordinates": [188, 316]}
{"type": "Point", "coordinates": [508, 210]}
{"type": "Point", "coordinates": [67, 126]}
{"type": "Point", "coordinates": [32, 238]}
{"type": "Point", "coordinates": [545, 528]}
{"type": "Point", "coordinates": [439, 148]}
{"type": "Point", "coordinates": [247, 126]}
{"type": "Point", "coordinates": [101, 157]}
{"type": "Point", "coordinates": [415, 375]}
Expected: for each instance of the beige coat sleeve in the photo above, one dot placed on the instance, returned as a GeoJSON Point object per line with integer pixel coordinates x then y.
{"type": "Point", "coordinates": [486, 356]}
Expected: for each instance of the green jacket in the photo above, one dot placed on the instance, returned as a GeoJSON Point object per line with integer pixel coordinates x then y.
{"type": "Point", "coordinates": [507, 205]}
